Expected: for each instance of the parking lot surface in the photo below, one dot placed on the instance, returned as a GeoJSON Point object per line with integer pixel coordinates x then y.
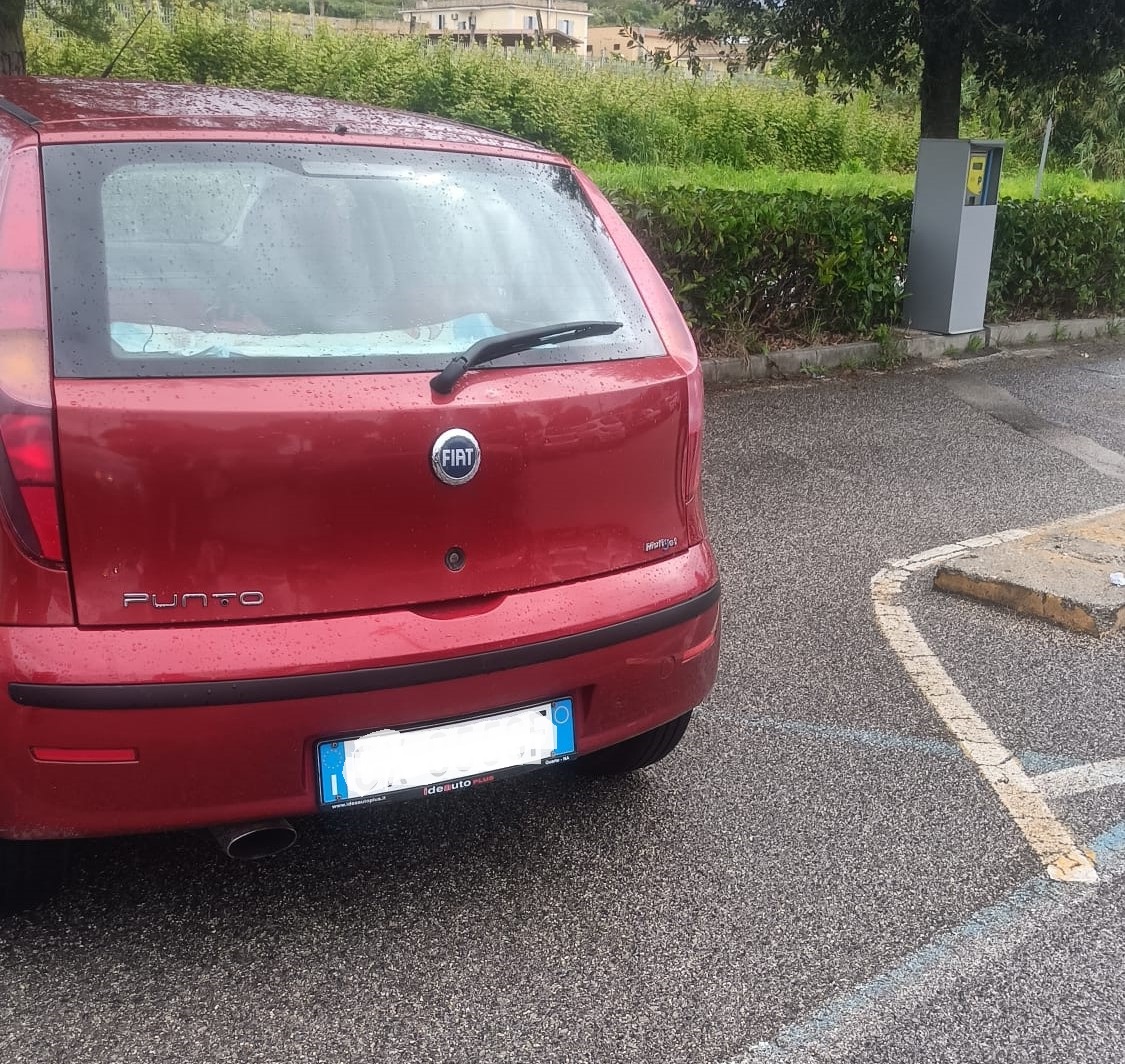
{"type": "Point", "coordinates": [818, 872]}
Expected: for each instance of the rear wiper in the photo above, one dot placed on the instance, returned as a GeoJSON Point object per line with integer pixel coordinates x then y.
{"type": "Point", "coordinates": [493, 347]}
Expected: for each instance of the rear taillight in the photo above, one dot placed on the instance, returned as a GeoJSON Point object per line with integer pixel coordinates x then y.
{"type": "Point", "coordinates": [692, 470]}
{"type": "Point", "coordinates": [28, 473]}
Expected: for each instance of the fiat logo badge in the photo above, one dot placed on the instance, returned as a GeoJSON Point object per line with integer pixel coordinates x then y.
{"type": "Point", "coordinates": [455, 457]}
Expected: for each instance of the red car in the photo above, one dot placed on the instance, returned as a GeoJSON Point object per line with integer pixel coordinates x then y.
{"type": "Point", "coordinates": [347, 456]}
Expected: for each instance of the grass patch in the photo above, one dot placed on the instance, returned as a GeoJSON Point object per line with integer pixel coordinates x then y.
{"type": "Point", "coordinates": [892, 348]}
{"type": "Point", "coordinates": [638, 179]}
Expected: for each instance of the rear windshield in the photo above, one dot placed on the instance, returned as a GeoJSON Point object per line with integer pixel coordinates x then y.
{"type": "Point", "coordinates": [188, 259]}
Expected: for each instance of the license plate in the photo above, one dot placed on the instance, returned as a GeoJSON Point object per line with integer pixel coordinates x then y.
{"type": "Point", "coordinates": [422, 762]}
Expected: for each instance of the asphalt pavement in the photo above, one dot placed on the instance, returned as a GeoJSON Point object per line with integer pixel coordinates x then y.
{"type": "Point", "coordinates": [816, 873]}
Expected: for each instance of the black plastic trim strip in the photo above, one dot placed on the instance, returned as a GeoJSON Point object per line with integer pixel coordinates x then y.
{"type": "Point", "coordinates": [19, 113]}
{"type": "Point", "coordinates": [356, 681]}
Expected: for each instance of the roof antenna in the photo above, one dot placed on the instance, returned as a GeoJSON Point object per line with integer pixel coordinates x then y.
{"type": "Point", "coordinates": [137, 29]}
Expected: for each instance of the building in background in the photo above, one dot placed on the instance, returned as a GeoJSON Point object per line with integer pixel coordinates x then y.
{"type": "Point", "coordinates": [559, 24]}
{"type": "Point", "coordinates": [613, 42]}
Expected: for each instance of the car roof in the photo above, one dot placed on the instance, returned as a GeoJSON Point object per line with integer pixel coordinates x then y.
{"type": "Point", "coordinates": [74, 105]}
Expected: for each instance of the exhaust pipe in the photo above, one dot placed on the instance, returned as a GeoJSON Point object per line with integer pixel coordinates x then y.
{"type": "Point", "coordinates": [255, 840]}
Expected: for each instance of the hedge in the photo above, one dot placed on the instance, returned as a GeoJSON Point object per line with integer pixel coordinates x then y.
{"type": "Point", "coordinates": [804, 264]}
{"type": "Point", "coordinates": [1058, 258]}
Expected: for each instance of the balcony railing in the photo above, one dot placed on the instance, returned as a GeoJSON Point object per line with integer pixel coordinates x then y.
{"type": "Point", "coordinates": [476, 5]}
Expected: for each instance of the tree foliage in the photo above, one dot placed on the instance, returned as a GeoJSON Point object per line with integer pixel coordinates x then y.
{"type": "Point", "coordinates": [628, 12]}
{"type": "Point", "coordinates": [1060, 45]}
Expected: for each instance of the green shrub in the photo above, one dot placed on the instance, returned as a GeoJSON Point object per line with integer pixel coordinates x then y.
{"type": "Point", "coordinates": [590, 114]}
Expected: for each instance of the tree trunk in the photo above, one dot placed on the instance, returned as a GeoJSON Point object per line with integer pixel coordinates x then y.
{"type": "Point", "coordinates": [943, 59]}
{"type": "Point", "coordinates": [12, 54]}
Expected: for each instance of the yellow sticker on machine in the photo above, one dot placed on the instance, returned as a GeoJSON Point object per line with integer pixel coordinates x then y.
{"type": "Point", "coordinates": [975, 182]}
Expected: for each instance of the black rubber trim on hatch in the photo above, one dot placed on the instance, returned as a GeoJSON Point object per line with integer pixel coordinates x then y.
{"type": "Point", "coordinates": [355, 681]}
{"type": "Point", "coordinates": [18, 113]}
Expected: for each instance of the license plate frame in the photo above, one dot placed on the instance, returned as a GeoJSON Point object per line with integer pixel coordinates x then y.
{"type": "Point", "coordinates": [361, 769]}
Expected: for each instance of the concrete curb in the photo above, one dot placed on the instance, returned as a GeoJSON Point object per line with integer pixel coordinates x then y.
{"type": "Point", "coordinates": [1059, 574]}
{"type": "Point", "coordinates": [1043, 605]}
{"type": "Point", "coordinates": [932, 348]}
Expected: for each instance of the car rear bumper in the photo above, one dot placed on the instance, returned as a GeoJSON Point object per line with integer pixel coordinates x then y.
{"type": "Point", "coordinates": [114, 732]}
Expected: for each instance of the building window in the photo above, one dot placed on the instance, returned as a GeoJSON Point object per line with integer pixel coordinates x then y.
{"type": "Point", "coordinates": [441, 22]}
{"type": "Point", "coordinates": [566, 26]}
{"type": "Point", "coordinates": [589, 49]}
{"type": "Point", "coordinates": [617, 47]}
{"type": "Point", "coordinates": [529, 22]}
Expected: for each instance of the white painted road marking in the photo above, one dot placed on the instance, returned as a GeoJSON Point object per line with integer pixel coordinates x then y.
{"type": "Point", "coordinates": [1082, 778]}
{"type": "Point", "coordinates": [1047, 835]}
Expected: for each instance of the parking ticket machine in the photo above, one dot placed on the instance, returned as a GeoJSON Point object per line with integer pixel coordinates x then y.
{"type": "Point", "coordinates": [955, 197]}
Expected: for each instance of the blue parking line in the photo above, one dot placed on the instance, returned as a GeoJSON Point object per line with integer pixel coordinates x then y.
{"type": "Point", "coordinates": [1033, 762]}
{"type": "Point", "coordinates": [880, 740]}
{"type": "Point", "coordinates": [987, 923]}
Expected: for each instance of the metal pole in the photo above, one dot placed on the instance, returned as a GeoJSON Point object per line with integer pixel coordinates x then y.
{"type": "Point", "coordinates": [1043, 156]}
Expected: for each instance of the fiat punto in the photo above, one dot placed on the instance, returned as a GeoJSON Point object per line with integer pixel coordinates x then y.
{"type": "Point", "coordinates": [346, 456]}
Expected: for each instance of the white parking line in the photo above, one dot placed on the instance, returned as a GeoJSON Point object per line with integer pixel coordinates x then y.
{"type": "Point", "coordinates": [1025, 801]}
{"type": "Point", "coordinates": [1082, 778]}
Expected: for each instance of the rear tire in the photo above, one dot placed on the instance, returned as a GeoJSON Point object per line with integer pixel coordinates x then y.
{"type": "Point", "coordinates": [31, 873]}
{"type": "Point", "coordinates": [635, 753]}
